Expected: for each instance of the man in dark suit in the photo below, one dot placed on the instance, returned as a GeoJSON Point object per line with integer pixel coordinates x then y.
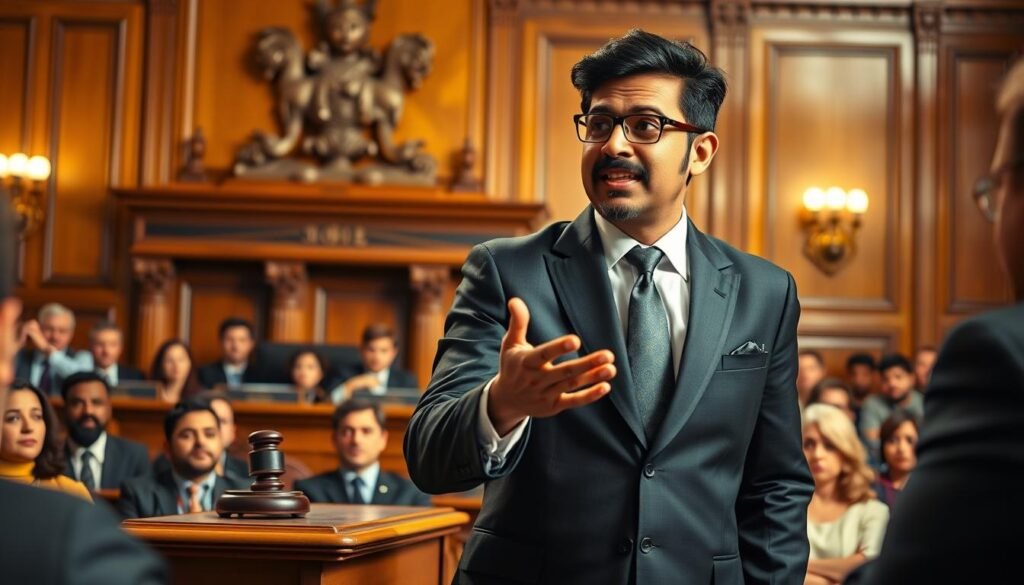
{"type": "Point", "coordinates": [378, 370]}
{"type": "Point", "coordinates": [51, 538]}
{"type": "Point", "coordinates": [228, 466]}
{"type": "Point", "coordinates": [957, 519]}
{"type": "Point", "coordinates": [360, 438]}
{"type": "Point", "coordinates": [50, 358]}
{"type": "Point", "coordinates": [623, 384]}
{"type": "Point", "coordinates": [191, 483]}
{"type": "Point", "coordinates": [94, 457]}
{"type": "Point", "coordinates": [237, 340]}
{"type": "Point", "coordinates": [106, 343]}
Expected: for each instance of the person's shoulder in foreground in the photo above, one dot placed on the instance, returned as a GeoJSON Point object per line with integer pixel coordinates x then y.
{"type": "Point", "coordinates": [53, 538]}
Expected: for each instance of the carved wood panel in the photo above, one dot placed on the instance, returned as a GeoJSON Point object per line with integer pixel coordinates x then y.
{"type": "Point", "coordinates": [209, 294]}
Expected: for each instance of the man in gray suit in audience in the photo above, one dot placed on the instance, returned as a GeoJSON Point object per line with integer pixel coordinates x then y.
{"type": "Point", "coordinates": [51, 358]}
{"type": "Point", "coordinates": [959, 518]}
{"type": "Point", "coordinates": [46, 537]}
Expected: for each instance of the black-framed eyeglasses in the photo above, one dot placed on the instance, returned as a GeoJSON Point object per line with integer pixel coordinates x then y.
{"type": "Point", "coordinates": [986, 187]}
{"type": "Point", "coordinates": [638, 128]}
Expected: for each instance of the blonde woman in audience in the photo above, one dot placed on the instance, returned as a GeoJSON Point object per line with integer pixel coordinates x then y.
{"type": "Point", "coordinates": [306, 369]}
{"type": "Point", "coordinates": [30, 450]}
{"type": "Point", "coordinates": [899, 443]}
{"type": "Point", "coordinates": [173, 372]}
{"type": "Point", "coordinates": [845, 522]}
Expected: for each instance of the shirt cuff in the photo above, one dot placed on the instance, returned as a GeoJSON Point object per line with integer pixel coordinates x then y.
{"type": "Point", "coordinates": [495, 448]}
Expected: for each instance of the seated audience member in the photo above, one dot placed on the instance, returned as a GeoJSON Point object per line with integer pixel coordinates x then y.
{"type": "Point", "coordinates": [924, 360]}
{"type": "Point", "coordinates": [51, 538]}
{"type": "Point", "coordinates": [811, 371]}
{"type": "Point", "coordinates": [378, 371]}
{"type": "Point", "coordinates": [237, 340]}
{"type": "Point", "coordinates": [190, 484]}
{"type": "Point", "coordinates": [899, 441]}
{"type": "Point", "coordinates": [897, 393]}
{"type": "Point", "coordinates": [31, 450]}
{"type": "Point", "coordinates": [53, 359]}
{"type": "Point", "coordinates": [94, 457]}
{"type": "Point", "coordinates": [845, 523]}
{"type": "Point", "coordinates": [834, 392]}
{"type": "Point", "coordinates": [172, 371]}
{"type": "Point", "coordinates": [861, 375]}
{"type": "Point", "coordinates": [360, 438]}
{"type": "Point", "coordinates": [306, 369]}
{"type": "Point", "coordinates": [106, 344]}
{"type": "Point", "coordinates": [228, 466]}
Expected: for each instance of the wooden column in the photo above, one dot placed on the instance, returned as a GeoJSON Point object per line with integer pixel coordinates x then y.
{"type": "Point", "coordinates": [290, 284]}
{"type": "Point", "coordinates": [430, 284]}
{"type": "Point", "coordinates": [155, 277]}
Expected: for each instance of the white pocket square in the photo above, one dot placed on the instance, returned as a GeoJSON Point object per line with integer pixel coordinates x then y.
{"type": "Point", "coordinates": [749, 348]}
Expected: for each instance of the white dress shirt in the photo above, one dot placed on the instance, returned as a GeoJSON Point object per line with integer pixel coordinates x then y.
{"type": "Point", "coordinates": [233, 374]}
{"type": "Point", "coordinates": [62, 365]}
{"type": "Point", "coordinates": [672, 278]}
{"type": "Point", "coordinates": [98, 449]}
{"type": "Point", "coordinates": [370, 475]}
{"type": "Point", "coordinates": [109, 373]}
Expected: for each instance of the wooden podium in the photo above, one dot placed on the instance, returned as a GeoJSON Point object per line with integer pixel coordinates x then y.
{"type": "Point", "coordinates": [334, 544]}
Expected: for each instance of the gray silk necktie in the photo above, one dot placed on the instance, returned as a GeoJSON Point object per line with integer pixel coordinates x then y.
{"type": "Point", "coordinates": [86, 476]}
{"type": "Point", "coordinates": [648, 343]}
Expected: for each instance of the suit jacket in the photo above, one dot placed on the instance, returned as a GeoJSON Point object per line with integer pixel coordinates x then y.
{"type": "Point", "coordinates": [397, 377]}
{"type": "Point", "coordinates": [50, 538]}
{"type": "Point", "coordinates": [719, 494]}
{"type": "Point", "coordinates": [955, 520]}
{"type": "Point", "coordinates": [122, 460]}
{"type": "Point", "coordinates": [78, 360]}
{"type": "Point", "coordinates": [143, 497]}
{"type": "Point", "coordinates": [391, 490]}
{"type": "Point", "coordinates": [213, 374]}
{"type": "Point", "coordinates": [125, 373]}
{"type": "Point", "coordinates": [234, 468]}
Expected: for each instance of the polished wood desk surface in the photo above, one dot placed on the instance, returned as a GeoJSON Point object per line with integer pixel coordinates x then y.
{"type": "Point", "coordinates": [328, 532]}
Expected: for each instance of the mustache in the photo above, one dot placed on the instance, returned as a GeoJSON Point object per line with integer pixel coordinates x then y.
{"type": "Point", "coordinates": [608, 163]}
{"type": "Point", "coordinates": [81, 420]}
{"type": "Point", "coordinates": [200, 451]}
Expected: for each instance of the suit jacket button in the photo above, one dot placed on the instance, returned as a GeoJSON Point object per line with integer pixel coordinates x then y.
{"type": "Point", "coordinates": [646, 544]}
{"type": "Point", "coordinates": [625, 546]}
{"type": "Point", "coordinates": [649, 470]}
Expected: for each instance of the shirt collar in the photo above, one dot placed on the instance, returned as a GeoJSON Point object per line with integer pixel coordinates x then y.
{"type": "Point", "coordinates": [368, 475]}
{"type": "Point", "coordinates": [98, 448]}
{"type": "Point", "coordinates": [233, 369]}
{"type": "Point", "coordinates": [617, 244]}
{"type": "Point", "coordinates": [209, 482]}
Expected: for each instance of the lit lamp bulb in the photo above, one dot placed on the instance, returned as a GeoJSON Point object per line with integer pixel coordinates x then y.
{"type": "Point", "coordinates": [17, 164]}
{"type": "Point", "coordinates": [3, 165]}
{"type": "Point", "coordinates": [835, 198]}
{"type": "Point", "coordinates": [38, 168]}
{"type": "Point", "coordinates": [857, 201]}
{"type": "Point", "coordinates": [814, 199]}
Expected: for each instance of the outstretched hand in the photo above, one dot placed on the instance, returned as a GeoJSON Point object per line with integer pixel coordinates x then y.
{"type": "Point", "coordinates": [529, 384]}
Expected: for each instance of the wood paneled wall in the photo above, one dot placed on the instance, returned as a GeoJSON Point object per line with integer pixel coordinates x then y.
{"type": "Point", "coordinates": [892, 96]}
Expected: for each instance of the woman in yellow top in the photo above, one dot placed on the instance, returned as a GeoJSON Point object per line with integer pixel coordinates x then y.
{"type": "Point", "coordinates": [30, 451]}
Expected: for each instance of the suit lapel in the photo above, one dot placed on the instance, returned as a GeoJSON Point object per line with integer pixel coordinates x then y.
{"type": "Point", "coordinates": [336, 491]}
{"type": "Point", "coordinates": [166, 498]}
{"type": "Point", "coordinates": [383, 492]}
{"type": "Point", "coordinates": [579, 274]}
{"type": "Point", "coordinates": [713, 295]}
{"type": "Point", "coordinates": [110, 461]}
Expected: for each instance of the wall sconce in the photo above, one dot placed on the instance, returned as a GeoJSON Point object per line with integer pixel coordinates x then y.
{"type": "Point", "coordinates": [24, 178]}
{"type": "Point", "coordinates": [831, 219]}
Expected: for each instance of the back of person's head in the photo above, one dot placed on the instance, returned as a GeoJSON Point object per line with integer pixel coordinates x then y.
{"type": "Point", "coordinates": [183, 408]}
{"type": "Point", "coordinates": [854, 483]}
{"type": "Point", "coordinates": [50, 461]}
{"type": "Point", "coordinates": [377, 331]}
{"type": "Point", "coordinates": [639, 52]}
{"type": "Point", "coordinates": [860, 359]}
{"type": "Point", "coordinates": [895, 360]}
{"type": "Point", "coordinates": [233, 322]}
{"type": "Point", "coordinates": [81, 378]}
{"type": "Point", "coordinates": [357, 405]}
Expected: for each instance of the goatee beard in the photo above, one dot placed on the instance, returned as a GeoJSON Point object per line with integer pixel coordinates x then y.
{"type": "Point", "coordinates": [85, 436]}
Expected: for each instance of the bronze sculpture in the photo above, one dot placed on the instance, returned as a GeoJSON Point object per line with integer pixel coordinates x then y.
{"type": "Point", "coordinates": [340, 104]}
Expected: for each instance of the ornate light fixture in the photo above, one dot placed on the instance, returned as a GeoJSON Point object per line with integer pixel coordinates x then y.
{"type": "Point", "coordinates": [24, 178]}
{"type": "Point", "coordinates": [831, 219]}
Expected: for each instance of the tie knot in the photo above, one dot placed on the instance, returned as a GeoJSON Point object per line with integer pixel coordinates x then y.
{"type": "Point", "coordinates": [644, 259]}
{"type": "Point", "coordinates": [357, 482]}
{"type": "Point", "coordinates": [86, 455]}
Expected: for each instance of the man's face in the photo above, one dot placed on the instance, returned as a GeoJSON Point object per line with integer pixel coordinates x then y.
{"type": "Point", "coordinates": [378, 354]}
{"type": "Point", "coordinates": [88, 411]}
{"type": "Point", "coordinates": [923, 363]}
{"type": "Point", "coordinates": [226, 416]}
{"type": "Point", "coordinates": [811, 372]}
{"type": "Point", "coordinates": [237, 345]}
{"type": "Point", "coordinates": [640, 185]}
{"type": "Point", "coordinates": [57, 330]}
{"type": "Point", "coordinates": [360, 440]}
{"type": "Point", "coordinates": [106, 347]}
{"type": "Point", "coordinates": [897, 383]}
{"type": "Point", "coordinates": [195, 446]}
{"type": "Point", "coordinates": [1009, 224]}
{"type": "Point", "coordinates": [862, 379]}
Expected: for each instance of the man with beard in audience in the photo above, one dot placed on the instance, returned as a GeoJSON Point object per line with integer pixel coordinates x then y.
{"type": "Point", "coordinates": [96, 458]}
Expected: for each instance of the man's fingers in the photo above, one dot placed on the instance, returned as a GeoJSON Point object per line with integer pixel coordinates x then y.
{"type": "Point", "coordinates": [546, 352]}
{"type": "Point", "coordinates": [582, 397]}
{"type": "Point", "coordinates": [596, 375]}
{"type": "Point", "coordinates": [518, 319]}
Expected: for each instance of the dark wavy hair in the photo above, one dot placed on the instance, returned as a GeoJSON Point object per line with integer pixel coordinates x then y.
{"type": "Point", "coordinates": [50, 461]}
{"type": "Point", "coordinates": [895, 421]}
{"type": "Point", "coordinates": [156, 371]}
